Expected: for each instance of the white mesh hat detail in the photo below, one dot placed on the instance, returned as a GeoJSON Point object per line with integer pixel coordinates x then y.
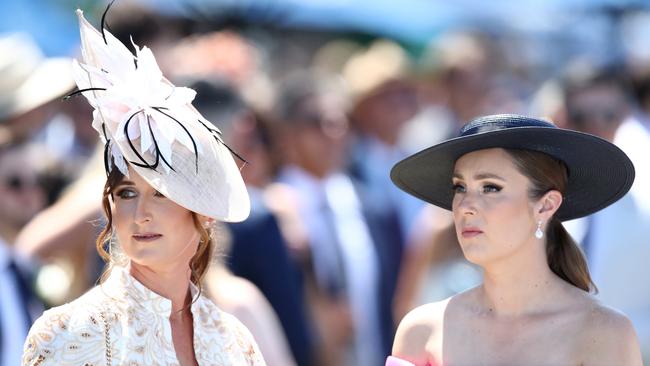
{"type": "Point", "coordinates": [149, 124]}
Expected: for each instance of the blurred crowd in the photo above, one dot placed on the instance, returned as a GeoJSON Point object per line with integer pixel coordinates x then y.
{"type": "Point", "coordinates": [333, 254]}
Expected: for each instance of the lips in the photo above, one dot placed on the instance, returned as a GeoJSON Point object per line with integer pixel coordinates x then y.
{"type": "Point", "coordinates": [146, 237]}
{"type": "Point", "coordinates": [470, 232]}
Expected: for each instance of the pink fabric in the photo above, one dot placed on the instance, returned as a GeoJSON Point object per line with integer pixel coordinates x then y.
{"type": "Point", "coordinates": [394, 361]}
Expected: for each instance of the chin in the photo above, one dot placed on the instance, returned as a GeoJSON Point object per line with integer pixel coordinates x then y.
{"type": "Point", "coordinates": [142, 260]}
{"type": "Point", "coordinates": [147, 257]}
{"type": "Point", "coordinates": [477, 253]}
{"type": "Point", "coordinates": [479, 260]}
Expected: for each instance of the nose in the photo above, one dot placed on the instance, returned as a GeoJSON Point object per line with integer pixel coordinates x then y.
{"type": "Point", "coordinates": [142, 211]}
{"type": "Point", "coordinates": [466, 204]}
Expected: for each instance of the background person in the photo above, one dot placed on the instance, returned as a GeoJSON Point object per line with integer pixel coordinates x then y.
{"type": "Point", "coordinates": [29, 82]}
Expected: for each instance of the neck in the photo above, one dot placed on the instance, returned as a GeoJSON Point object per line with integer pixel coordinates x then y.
{"type": "Point", "coordinates": [521, 284]}
{"type": "Point", "coordinates": [172, 283]}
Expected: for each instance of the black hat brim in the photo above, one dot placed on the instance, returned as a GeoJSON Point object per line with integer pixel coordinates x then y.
{"type": "Point", "coordinates": [599, 172]}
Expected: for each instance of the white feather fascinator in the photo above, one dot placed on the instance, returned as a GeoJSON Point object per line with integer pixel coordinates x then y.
{"type": "Point", "coordinates": [150, 125]}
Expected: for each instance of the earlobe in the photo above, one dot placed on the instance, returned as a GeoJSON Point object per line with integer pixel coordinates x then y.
{"type": "Point", "coordinates": [550, 203]}
{"type": "Point", "coordinates": [207, 222]}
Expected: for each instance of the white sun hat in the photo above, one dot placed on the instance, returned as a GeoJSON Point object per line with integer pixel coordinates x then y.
{"type": "Point", "coordinates": [27, 78]}
{"type": "Point", "coordinates": [149, 124]}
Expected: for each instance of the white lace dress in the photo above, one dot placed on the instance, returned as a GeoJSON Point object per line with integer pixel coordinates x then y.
{"type": "Point", "coordinates": [121, 322]}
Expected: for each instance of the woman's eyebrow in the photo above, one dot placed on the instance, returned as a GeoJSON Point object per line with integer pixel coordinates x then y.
{"type": "Point", "coordinates": [480, 176]}
{"type": "Point", "coordinates": [125, 183]}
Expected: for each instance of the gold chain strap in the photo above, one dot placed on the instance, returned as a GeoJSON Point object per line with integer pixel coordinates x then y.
{"type": "Point", "coordinates": [107, 338]}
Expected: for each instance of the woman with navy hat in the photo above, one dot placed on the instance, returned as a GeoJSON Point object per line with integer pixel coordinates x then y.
{"type": "Point", "coordinates": [510, 181]}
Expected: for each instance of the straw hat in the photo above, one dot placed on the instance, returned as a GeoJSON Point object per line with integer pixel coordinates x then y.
{"type": "Point", "coordinates": [368, 69]}
{"type": "Point", "coordinates": [149, 124]}
{"type": "Point", "coordinates": [28, 79]}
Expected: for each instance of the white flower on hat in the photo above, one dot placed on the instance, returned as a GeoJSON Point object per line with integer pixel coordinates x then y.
{"type": "Point", "coordinates": [137, 97]}
{"type": "Point", "coordinates": [146, 123]}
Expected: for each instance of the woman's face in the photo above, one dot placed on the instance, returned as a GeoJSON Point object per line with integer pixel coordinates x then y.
{"type": "Point", "coordinates": [153, 231]}
{"type": "Point", "coordinates": [493, 214]}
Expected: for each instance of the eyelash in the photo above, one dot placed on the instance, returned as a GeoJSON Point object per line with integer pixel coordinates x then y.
{"type": "Point", "coordinates": [487, 188]}
{"type": "Point", "coordinates": [122, 194]}
{"type": "Point", "coordinates": [493, 188]}
{"type": "Point", "coordinates": [457, 187]}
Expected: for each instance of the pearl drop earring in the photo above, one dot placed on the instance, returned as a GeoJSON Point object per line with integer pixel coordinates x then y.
{"type": "Point", "coordinates": [539, 233]}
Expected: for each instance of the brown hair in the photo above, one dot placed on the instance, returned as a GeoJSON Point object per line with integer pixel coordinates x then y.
{"type": "Point", "coordinates": [198, 264]}
{"type": "Point", "coordinates": [564, 256]}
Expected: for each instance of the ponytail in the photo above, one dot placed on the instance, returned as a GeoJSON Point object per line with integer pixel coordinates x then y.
{"type": "Point", "coordinates": [566, 259]}
{"type": "Point", "coordinates": [564, 256]}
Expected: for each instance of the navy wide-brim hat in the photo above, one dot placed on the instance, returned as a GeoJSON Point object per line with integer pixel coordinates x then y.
{"type": "Point", "coordinates": [599, 173]}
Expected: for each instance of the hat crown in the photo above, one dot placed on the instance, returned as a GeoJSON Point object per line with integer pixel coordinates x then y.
{"type": "Point", "coordinates": [149, 126]}
{"type": "Point", "coordinates": [28, 79]}
{"type": "Point", "coordinates": [501, 122]}
{"type": "Point", "coordinates": [19, 57]}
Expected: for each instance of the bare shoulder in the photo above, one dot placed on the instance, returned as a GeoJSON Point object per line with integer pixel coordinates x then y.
{"type": "Point", "coordinates": [608, 337]}
{"type": "Point", "coordinates": [230, 292]}
{"type": "Point", "coordinates": [242, 304]}
{"type": "Point", "coordinates": [242, 339]}
{"type": "Point", "coordinates": [417, 329]}
{"type": "Point", "coordinates": [231, 324]}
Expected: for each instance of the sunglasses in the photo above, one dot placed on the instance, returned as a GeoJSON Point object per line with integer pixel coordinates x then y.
{"type": "Point", "coordinates": [582, 117]}
{"type": "Point", "coordinates": [18, 183]}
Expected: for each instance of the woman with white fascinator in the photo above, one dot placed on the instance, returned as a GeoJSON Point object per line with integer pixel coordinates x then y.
{"type": "Point", "coordinates": [170, 175]}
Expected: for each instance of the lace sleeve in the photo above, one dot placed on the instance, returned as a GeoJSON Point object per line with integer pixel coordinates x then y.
{"type": "Point", "coordinates": [63, 336]}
